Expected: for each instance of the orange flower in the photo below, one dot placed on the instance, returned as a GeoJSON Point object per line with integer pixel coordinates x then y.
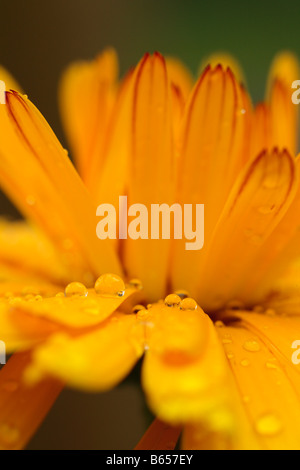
{"type": "Point", "coordinates": [226, 375]}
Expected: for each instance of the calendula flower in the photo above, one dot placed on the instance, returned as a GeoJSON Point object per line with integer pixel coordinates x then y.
{"type": "Point", "coordinates": [218, 347]}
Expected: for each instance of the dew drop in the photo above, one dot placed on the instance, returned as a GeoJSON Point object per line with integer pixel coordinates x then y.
{"type": "Point", "coordinates": [271, 365]}
{"type": "Point", "coordinates": [136, 284]}
{"type": "Point", "coordinates": [59, 295]}
{"type": "Point", "coordinates": [110, 284]}
{"type": "Point", "coordinates": [226, 341]}
{"type": "Point", "coordinates": [230, 356]}
{"type": "Point", "coordinates": [188, 304]}
{"type": "Point", "coordinates": [245, 363]}
{"type": "Point", "coordinates": [268, 425]}
{"type": "Point", "coordinates": [172, 300]}
{"type": "Point", "coordinates": [138, 308]}
{"type": "Point", "coordinates": [30, 200]}
{"type": "Point", "coordinates": [76, 289]}
{"type": "Point", "coordinates": [251, 346]}
{"type": "Point", "coordinates": [219, 324]}
{"type": "Point", "coordinates": [183, 294]}
{"type": "Point", "coordinates": [235, 305]}
{"type": "Point", "coordinates": [266, 209]}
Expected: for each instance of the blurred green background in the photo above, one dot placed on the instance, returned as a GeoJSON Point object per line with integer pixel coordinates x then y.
{"type": "Point", "coordinates": [39, 38]}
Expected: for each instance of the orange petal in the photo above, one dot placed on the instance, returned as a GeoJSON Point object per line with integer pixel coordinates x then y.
{"type": "Point", "coordinates": [21, 331]}
{"type": "Point", "coordinates": [283, 112]}
{"type": "Point", "coordinates": [159, 436]}
{"type": "Point", "coordinates": [94, 361]}
{"type": "Point", "coordinates": [226, 60]}
{"type": "Point", "coordinates": [47, 189]}
{"type": "Point", "coordinates": [185, 374]}
{"type": "Point", "coordinates": [87, 94]}
{"type": "Point", "coordinates": [270, 394]}
{"type": "Point", "coordinates": [22, 409]}
{"type": "Point", "coordinates": [76, 311]}
{"type": "Point", "coordinates": [25, 253]}
{"type": "Point", "coordinates": [215, 130]}
{"type": "Point", "coordinates": [152, 169]}
{"type": "Point", "coordinates": [257, 203]}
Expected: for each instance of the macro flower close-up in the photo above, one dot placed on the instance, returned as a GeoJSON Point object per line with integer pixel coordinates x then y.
{"type": "Point", "coordinates": [108, 265]}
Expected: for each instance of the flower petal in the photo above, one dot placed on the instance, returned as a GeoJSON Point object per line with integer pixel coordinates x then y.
{"type": "Point", "coordinates": [75, 311]}
{"type": "Point", "coordinates": [87, 94]}
{"type": "Point", "coordinates": [215, 130]}
{"type": "Point", "coordinates": [257, 203]}
{"type": "Point", "coordinates": [40, 179]}
{"type": "Point", "coordinates": [22, 408]}
{"type": "Point", "coordinates": [270, 394]}
{"type": "Point", "coordinates": [159, 436]}
{"type": "Point", "coordinates": [283, 112]}
{"type": "Point", "coordinates": [151, 166]}
{"type": "Point", "coordinates": [95, 361]}
{"type": "Point", "coordinates": [21, 331]}
{"type": "Point", "coordinates": [26, 253]}
{"type": "Point", "coordinates": [185, 374]}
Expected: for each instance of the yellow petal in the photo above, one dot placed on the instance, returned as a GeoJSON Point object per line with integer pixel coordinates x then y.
{"type": "Point", "coordinates": [257, 203]}
{"type": "Point", "coordinates": [26, 253]}
{"type": "Point", "coordinates": [185, 374]}
{"type": "Point", "coordinates": [40, 179]}
{"type": "Point", "coordinates": [227, 60]}
{"type": "Point", "coordinates": [87, 94]}
{"type": "Point", "coordinates": [22, 409]}
{"type": "Point", "coordinates": [215, 132]}
{"type": "Point", "coordinates": [159, 436]}
{"type": "Point", "coordinates": [269, 393]}
{"type": "Point", "coordinates": [152, 169]}
{"type": "Point", "coordinates": [21, 331]}
{"type": "Point", "coordinates": [113, 167]}
{"type": "Point", "coordinates": [94, 361]}
{"type": "Point", "coordinates": [76, 311]}
{"type": "Point", "coordinates": [283, 112]}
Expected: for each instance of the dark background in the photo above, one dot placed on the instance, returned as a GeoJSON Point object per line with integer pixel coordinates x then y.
{"type": "Point", "coordinates": [38, 38]}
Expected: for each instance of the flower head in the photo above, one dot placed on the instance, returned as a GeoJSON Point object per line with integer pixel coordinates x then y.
{"type": "Point", "coordinates": [215, 363]}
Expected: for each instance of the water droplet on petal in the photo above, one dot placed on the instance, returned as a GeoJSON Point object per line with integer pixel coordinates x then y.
{"type": "Point", "coordinates": [245, 363]}
{"type": "Point", "coordinates": [219, 324]}
{"type": "Point", "coordinates": [60, 295]}
{"type": "Point", "coordinates": [138, 308]}
{"type": "Point", "coordinates": [268, 425]}
{"type": "Point", "coordinates": [226, 341]}
{"type": "Point", "coordinates": [266, 209]}
{"type": "Point", "coordinates": [110, 284]}
{"type": "Point", "coordinates": [271, 365]}
{"type": "Point", "coordinates": [76, 289]}
{"type": "Point", "coordinates": [172, 300]}
{"type": "Point", "coordinates": [251, 346]}
{"type": "Point", "coordinates": [188, 304]}
{"type": "Point", "coordinates": [30, 200]}
{"type": "Point", "coordinates": [182, 293]}
{"type": "Point", "coordinates": [235, 305]}
{"type": "Point", "coordinates": [136, 284]}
